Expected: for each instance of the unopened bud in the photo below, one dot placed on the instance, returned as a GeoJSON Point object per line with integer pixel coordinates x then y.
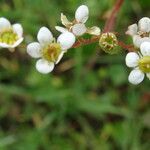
{"type": "Point", "coordinates": [109, 43]}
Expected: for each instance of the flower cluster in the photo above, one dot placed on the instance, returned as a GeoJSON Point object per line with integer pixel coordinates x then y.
{"type": "Point", "coordinates": [140, 59]}
{"type": "Point", "coordinates": [49, 50]}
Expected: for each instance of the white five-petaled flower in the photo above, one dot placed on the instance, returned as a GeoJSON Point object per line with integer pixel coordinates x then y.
{"type": "Point", "coordinates": [77, 27]}
{"type": "Point", "coordinates": [140, 32]}
{"type": "Point", "coordinates": [10, 35]}
{"type": "Point", "coordinates": [48, 50]}
{"type": "Point", "coordinates": [140, 62]}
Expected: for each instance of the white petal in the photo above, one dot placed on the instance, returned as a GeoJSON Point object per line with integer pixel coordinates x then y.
{"type": "Point", "coordinates": [145, 48]}
{"type": "Point", "coordinates": [66, 40]}
{"type": "Point", "coordinates": [17, 43]}
{"type": "Point", "coordinates": [148, 75]}
{"type": "Point", "coordinates": [60, 57]}
{"type": "Point", "coordinates": [34, 50]}
{"type": "Point", "coordinates": [144, 24]}
{"type": "Point", "coordinates": [136, 76]}
{"type": "Point", "coordinates": [94, 30]}
{"type": "Point", "coordinates": [132, 30]}
{"type": "Point", "coordinates": [82, 14]}
{"type": "Point", "coordinates": [137, 40]}
{"type": "Point", "coordinates": [4, 45]}
{"type": "Point", "coordinates": [43, 66]}
{"type": "Point", "coordinates": [79, 29]}
{"type": "Point", "coordinates": [17, 28]}
{"type": "Point", "coordinates": [132, 59]}
{"type": "Point", "coordinates": [61, 29]}
{"type": "Point", "coordinates": [4, 23]}
{"type": "Point", "coordinates": [44, 36]}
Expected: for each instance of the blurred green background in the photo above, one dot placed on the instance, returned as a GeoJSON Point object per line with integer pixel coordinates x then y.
{"type": "Point", "coordinates": [86, 103]}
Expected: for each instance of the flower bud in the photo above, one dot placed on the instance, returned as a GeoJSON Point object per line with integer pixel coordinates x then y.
{"type": "Point", "coordinates": [109, 43]}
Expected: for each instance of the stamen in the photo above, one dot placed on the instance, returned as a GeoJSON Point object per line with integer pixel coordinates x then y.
{"type": "Point", "coordinates": [8, 37]}
{"type": "Point", "coordinates": [143, 34]}
{"type": "Point", "coordinates": [51, 52]}
{"type": "Point", "coordinates": [144, 64]}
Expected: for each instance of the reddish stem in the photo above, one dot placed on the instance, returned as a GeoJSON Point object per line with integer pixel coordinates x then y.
{"type": "Point", "coordinates": [111, 21]}
{"type": "Point", "coordinates": [86, 41]}
{"type": "Point", "coordinates": [127, 47]}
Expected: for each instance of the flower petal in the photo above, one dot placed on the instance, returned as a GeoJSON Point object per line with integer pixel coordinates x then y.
{"type": "Point", "coordinates": [66, 40]}
{"type": "Point", "coordinates": [34, 50]}
{"type": "Point", "coordinates": [4, 23]}
{"type": "Point", "coordinates": [145, 48]}
{"type": "Point", "coordinates": [94, 30]}
{"type": "Point", "coordinates": [60, 57]}
{"type": "Point", "coordinates": [148, 75]}
{"type": "Point", "coordinates": [144, 24]}
{"type": "Point", "coordinates": [132, 30]}
{"type": "Point", "coordinates": [132, 59]}
{"type": "Point", "coordinates": [82, 14]}
{"type": "Point", "coordinates": [137, 40]}
{"type": "Point", "coordinates": [44, 36]}
{"type": "Point", "coordinates": [61, 29]}
{"type": "Point", "coordinates": [17, 28]}
{"type": "Point", "coordinates": [43, 66]}
{"type": "Point", "coordinates": [79, 29]}
{"type": "Point", "coordinates": [65, 21]}
{"type": "Point", "coordinates": [17, 43]}
{"type": "Point", "coordinates": [136, 76]}
{"type": "Point", "coordinates": [4, 45]}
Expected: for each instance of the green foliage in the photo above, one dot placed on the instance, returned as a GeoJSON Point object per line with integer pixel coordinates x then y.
{"type": "Point", "coordinates": [84, 104]}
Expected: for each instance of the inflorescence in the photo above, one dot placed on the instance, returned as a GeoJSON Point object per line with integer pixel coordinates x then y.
{"type": "Point", "coordinates": [49, 50]}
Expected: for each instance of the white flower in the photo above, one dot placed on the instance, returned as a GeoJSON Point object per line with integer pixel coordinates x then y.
{"type": "Point", "coordinates": [48, 50]}
{"type": "Point", "coordinates": [77, 27]}
{"type": "Point", "coordinates": [140, 32]}
{"type": "Point", "coordinates": [140, 62]}
{"type": "Point", "coordinates": [10, 35]}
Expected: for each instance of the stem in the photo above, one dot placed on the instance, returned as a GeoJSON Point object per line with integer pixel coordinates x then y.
{"type": "Point", "coordinates": [96, 39]}
{"type": "Point", "coordinates": [128, 47]}
{"type": "Point", "coordinates": [111, 20]}
{"type": "Point", "coordinates": [82, 42]}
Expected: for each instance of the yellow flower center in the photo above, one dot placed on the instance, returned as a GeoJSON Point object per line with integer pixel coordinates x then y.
{"type": "Point", "coordinates": [144, 64]}
{"type": "Point", "coordinates": [51, 52]}
{"type": "Point", "coordinates": [8, 37]}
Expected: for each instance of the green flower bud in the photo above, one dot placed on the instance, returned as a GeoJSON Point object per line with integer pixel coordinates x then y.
{"type": "Point", "coordinates": [109, 43]}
